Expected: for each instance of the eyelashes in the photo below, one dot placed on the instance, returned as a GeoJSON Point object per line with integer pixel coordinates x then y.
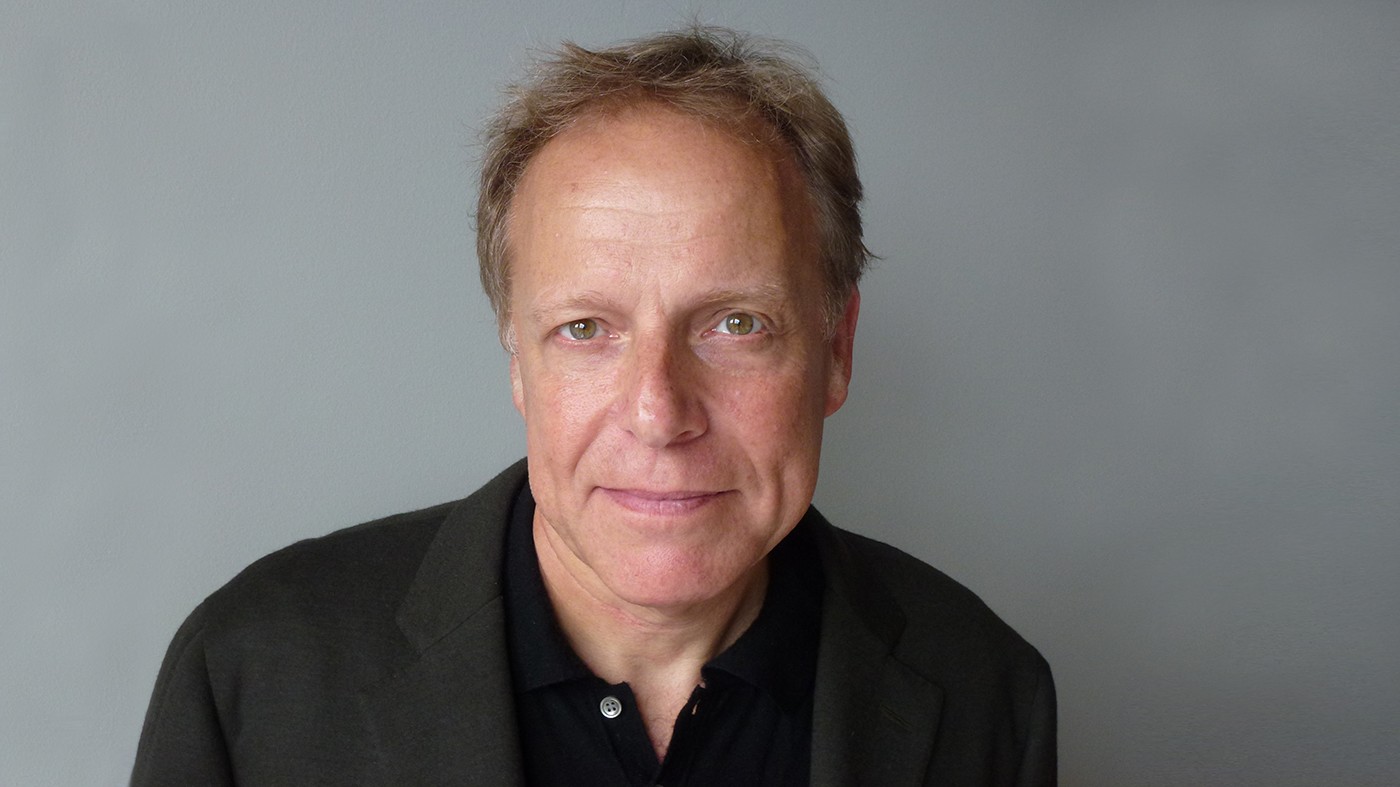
{"type": "Point", "coordinates": [732, 324]}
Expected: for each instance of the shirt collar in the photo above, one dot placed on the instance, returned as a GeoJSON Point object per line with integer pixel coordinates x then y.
{"type": "Point", "coordinates": [539, 653]}
{"type": "Point", "coordinates": [778, 652]}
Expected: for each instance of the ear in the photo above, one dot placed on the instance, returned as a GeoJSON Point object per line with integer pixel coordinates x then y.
{"type": "Point", "coordinates": [517, 390]}
{"type": "Point", "coordinates": [843, 342]}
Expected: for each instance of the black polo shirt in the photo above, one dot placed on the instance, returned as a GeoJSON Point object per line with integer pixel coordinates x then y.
{"type": "Point", "coordinates": [750, 723]}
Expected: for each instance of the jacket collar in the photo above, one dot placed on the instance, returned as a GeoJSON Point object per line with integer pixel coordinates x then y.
{"type": "Point", "coordinates": [461, 571]}
{"type": "Point", "coordinates": [874, 718]}
{"type": "Point", "coordinates": [449, 717]}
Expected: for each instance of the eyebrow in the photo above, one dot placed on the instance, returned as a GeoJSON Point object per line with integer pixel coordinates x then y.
{"type": "Point", "coordinates": [587, 300]}
{"type": "Point", "coordinates": [761, 293]}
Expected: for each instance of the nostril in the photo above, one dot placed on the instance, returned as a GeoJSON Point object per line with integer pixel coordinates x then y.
{"type": "Point", "coordinates": [665, 410]}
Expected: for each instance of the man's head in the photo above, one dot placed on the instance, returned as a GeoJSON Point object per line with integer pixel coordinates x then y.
{"type": "Point", "coordinates": [747, 85]}
{"type": "Point", "coordinates": [677, 334]}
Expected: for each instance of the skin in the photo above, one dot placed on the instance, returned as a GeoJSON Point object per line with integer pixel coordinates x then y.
{"type": "Point", "coordinates": [673, 372]}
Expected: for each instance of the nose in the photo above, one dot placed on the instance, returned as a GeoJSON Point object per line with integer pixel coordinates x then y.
{"type": "Point", "coordinates": [663, 402]}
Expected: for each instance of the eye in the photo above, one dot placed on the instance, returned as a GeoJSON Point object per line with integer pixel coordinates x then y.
{"type": "Point", "coordinates": [739, 324]}
{"type": "Point", "coordinates": [578, 330]}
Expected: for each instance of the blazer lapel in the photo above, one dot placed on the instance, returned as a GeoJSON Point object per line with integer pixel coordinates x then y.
{"type": "Point", "coordinates": [874, 720]}
{"type": "Point", "coordinates": [449, 717]}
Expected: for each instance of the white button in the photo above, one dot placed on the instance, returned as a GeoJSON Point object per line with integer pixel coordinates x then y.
{"type": "Point", "coordinates": [611, 707]}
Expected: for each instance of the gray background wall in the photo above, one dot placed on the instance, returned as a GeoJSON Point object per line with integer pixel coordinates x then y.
{"type": "Point", "coordinates": [1130, 368]}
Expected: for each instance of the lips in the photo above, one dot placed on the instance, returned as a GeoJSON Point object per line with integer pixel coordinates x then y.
{"type": "Point", "coordinates": [661, 502]}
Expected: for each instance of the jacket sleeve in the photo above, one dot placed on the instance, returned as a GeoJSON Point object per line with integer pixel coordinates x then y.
{"type": "Point", "coordinates": [182, 742]}
{"type": "Point", "coordinates": [1039, 766]}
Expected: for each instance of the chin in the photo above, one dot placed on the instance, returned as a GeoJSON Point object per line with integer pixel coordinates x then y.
{"type": "Point", "coordinates": [665, 584]}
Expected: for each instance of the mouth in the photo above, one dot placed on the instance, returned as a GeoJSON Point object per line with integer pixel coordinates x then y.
{"type": "Point", "coordinates": [661, 502]}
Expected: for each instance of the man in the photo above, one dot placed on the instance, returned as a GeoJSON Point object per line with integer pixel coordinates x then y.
{"type": "Point", "coordinates": [670, 236]}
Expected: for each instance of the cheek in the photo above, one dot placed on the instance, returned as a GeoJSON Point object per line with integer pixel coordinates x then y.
{"type": "Point", "coordinates": [562, 409]}
{"type": "Point", "coordinates": [778, 415]}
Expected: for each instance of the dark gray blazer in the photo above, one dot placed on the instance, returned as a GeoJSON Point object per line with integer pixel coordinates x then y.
{"type": "Point", "coordinates": [377, 655]}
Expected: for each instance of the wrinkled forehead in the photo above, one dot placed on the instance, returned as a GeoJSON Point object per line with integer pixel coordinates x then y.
{"type": "Point", "coordinates": [726, 131]}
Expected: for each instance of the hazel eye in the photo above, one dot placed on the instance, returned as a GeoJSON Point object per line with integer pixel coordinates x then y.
{"type": "Point", "coordinates": [579, 330]}
{"type": "Point", "coordinates": [739, 324]}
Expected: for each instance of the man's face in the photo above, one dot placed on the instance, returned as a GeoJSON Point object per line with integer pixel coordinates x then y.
{"type": "Point", "coordinates": [672, 367]}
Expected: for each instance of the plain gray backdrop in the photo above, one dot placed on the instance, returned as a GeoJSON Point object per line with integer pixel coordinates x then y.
{"type": "Point", "coordinates": [1129, 368]}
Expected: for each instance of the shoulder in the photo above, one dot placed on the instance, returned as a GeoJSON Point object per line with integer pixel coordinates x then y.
{"type": "Point", "coordinates": [279, 651]}
{"type": "Point", "coordinates": [996, 706]}
{"type": "Point", "coordinates": [360, 575]}
{"type": "Point", "coordinates": [298, 630]}
{"type": "Point", "coordinates": [941, 628]}
{"type": "Point", "coordinates": [270, 671]}
{"type": "Point", "coordinates": [360, 567]}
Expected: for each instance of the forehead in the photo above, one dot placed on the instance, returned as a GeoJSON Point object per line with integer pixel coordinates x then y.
{"type": "Point", "coordinates": [629, 155]}
{"type": "Point", "coordinates": [650, 136]}
{"type": "Point", "coordinates": [648, 181]}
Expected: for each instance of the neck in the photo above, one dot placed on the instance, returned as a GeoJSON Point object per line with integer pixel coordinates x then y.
{"type": "Point", "coordinates": [658, 652]}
